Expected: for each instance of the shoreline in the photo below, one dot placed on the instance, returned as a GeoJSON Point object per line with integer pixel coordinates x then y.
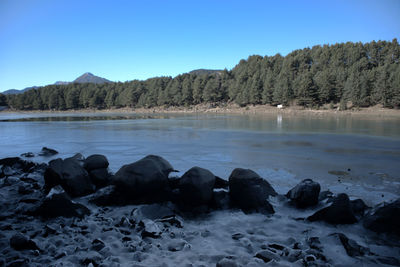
{"type": "Point", "coordinates": [232, 109]}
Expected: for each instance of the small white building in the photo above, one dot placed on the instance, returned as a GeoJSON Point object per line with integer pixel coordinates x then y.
{"type": "Point", "coordinates": [280, 106]}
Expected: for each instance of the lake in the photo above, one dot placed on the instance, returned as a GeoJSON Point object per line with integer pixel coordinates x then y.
{"type": "Point", "coordinates": [356, 155]}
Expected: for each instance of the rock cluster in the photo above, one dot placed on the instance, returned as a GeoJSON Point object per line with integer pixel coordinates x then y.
{"type": "Point", "coordinates": [57, 190]}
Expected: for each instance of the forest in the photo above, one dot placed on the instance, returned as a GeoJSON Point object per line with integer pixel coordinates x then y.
{"type": "Point", "coordinates": [363, 74]}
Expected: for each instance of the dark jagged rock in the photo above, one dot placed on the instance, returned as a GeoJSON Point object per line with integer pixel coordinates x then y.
{"type": "Point", "coordinates": [70, 175]}
{"type": "Point", "coordinates": [144, 181]}
{"type": "Point", "coordinates": [48, 152]}
{"type": "Point", "coordinates": [21, 242]}
{"type": "Point", "coordinates": [58, 204]}
{"type": "Point", "coordinates": [384, 218]}
{"type": "Point", "coordinates": [352, 248]}
{"type": "Point", "coordinates": [100, 177]}
{"type": "Point", "coordinates": [221, 183]}
{"type": "Point", "coordinates": [358, 206]}
{"type": "Point", "coordinates": [196, 187]}
{"type": "Point", "coordinates": [249, 191]}
{"type": "Point", "coordinates": [18, 164]}
{"type": "Point", "coordinates": [305, 194]}
{"type": "Point", "coordinates": [339, 212]}
{"type": "Point", "coordinates": [96, 161]}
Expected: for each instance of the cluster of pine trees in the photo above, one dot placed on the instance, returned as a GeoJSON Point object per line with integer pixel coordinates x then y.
{"type": "Point", "coordinates": [365, 74]}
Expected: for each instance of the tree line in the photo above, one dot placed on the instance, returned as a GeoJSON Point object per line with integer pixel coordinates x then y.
{"type": "Point", "coordinates": [365, 74]}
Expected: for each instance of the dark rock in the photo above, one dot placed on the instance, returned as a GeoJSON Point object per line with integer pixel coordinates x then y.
{"type": "Point", "coordinates": [358, 206]}
{"type": "Point", "coordinates": [384, 218]}
{"type": "Point", "coordinates": [221, 200]}
{"type": "Point", "coordinates": [196, 187]}
{"type": "Point", "coordinates": [28, 155]}
{"type": "Point", "coordinates": [18, 164]}
{"type": "Point", "coordinates": [96, 161]}
{"type": "Point", "coordinates": [21, 242]}
{"type": "Point", "coordinates": [24, 190]}
{"type": "Point", "coordinates": [249, 191]}
{"type": "Point", "coordinates": [100, 177]}
{"type": "Point", "coordinates": [144, 181]}
{"type": "Point", "coordinates": [267, 256]}
{"type": "Point", "coordinates": [352, 248]}
{"type": "Point", "coordinates": [98, 245]}
{"type": "Point", "coordinates": [339, 212]}
{"type": "Point", "coordinates": [305, 194]}
{"type": "Point", "coordinates": [57, 203]}
{"type": "Point", "coordinates": [70, 175]}
{"type": "Point", "coordinates": [47, 152]}
{"type": "Point", "coordinates": [221, 183]}
{"type": "Point", "coordinates": [150, 229]}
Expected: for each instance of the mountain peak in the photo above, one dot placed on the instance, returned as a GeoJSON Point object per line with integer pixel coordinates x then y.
{"type": "Point", "coordinates": [88, 77]}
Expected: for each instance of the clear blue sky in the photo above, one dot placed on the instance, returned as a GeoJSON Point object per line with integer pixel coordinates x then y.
{"type": "Point", "coordinates": [43, 41]}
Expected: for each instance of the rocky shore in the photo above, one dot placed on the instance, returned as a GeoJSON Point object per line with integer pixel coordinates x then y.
{"type": "Point", "coordinates": [75, 212]}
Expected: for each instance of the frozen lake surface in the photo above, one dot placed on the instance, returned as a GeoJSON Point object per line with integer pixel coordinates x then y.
{"type": "Point", "coordinates": [346, 154]}
{"type": "Point", "coordinates": [358, 156]}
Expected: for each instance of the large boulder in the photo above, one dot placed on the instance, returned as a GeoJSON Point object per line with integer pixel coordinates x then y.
{"type": "Point", "coordinates": [144, 181]}
{"type": "Point", "coordinates": [305, 194]}
{"type": "Point", "coordinates": [196, 187]}
{"type": "Point", "coordinates": [384, 218]}
{"type": "Point", "coordinates": [339, 212]}
{"type": "Point", "coordinates": [248, 191]}
{"type": "Point", "coordinates": [58, 204]}
{"type": "Point", "coordinates": [70, 175]}
{"type": "Point", "coordinates": [96, 161]}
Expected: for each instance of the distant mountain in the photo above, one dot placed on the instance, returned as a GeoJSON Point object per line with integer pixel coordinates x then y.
{"type": "Point", "coordinates": [61, 83]}
{"type": "Point", "coordinates": [90, 78]}
{"type": "Point", "coordinates": [84, 78]}
{"type": "Point", "coordinates": [204, 71]}
{"type": "Point", "coordinates": [15, 91]}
